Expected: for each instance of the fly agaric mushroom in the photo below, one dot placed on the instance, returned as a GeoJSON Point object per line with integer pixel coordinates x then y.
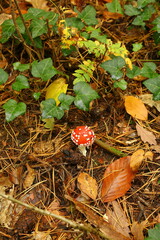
{"type": "Point", "coordinates": [84, 137]}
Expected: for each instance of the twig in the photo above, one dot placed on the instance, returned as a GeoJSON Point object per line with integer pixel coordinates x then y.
{"type": "Point", "coordinates": [27, 31]}
{"type": "Point", "coordinates": [18, 32]}
{"type": "Point", "coordinates": [80, 226]}
{"type": "Point", "coordinates": [109, 148]}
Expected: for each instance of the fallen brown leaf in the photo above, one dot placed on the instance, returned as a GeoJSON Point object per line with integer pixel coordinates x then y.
{"type": "Point", "coordinates": [149, 155]}
{"type": "Point", "coordinates": [98, 221]}
{"type": "Point", "coordinates": [117, 179]}
{"type": "Point", "coordinates": [87, 185]}
{"type": "Point", "coordinates": [6, 208]}
{"type": "Point", "coordinates": [145, 135]}
{"type": "Point", "coordinates": [41, 4]}
{"type": "Point", "coordinates": [156, 148]}
{"type": "Point", "coordinates": [136, 159]}
{"type": "Point", "coordinates": [108, 15]}
{"type": "Point", "coordinates": [117, 218]}
{"type": "Point", "coordinates": [137, 230]}
{"type": "Point", "coordinates": [148, 99]}
{"type": "Point", "coordinates": [136, 108]}
{"type": "Point", "coordinates": [15, 175]}
{"type": "Point", "coordinates": [29, 178]}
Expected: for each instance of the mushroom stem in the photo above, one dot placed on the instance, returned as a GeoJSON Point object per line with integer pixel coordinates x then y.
{"type": "Point", "coordinates": [109, 148]}
{"type": "Point", "coordinates": [83, 150]}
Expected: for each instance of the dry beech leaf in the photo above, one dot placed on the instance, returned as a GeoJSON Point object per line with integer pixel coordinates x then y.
{"type": "Point", "coordinates": [4, 16]}
{"type": "Point", "coordinates": [6, 208]}
{"type": "Point", "coordinates": [136, 108]}
{"type": "Point", "coordinates": [118, 219]}
{"type": "Point", "coordinates": [137, 230]}
{"type": "Point", "coordinates": [136, 159]}
{"type": "Point", "coordinates": [29, 178]}
{"type": "Point", "coordinates": [15, 175]}
{"type": "Point", "coordinates": [145, 135]}
{"type": "Point", "coordinates": [41, 4]}
{"type": "Point", "coordinates": [148, 99]}
{"type": "Point", "coordinates": [88, 185]}
{"type": "Point", "coordinates": [104, 1]}
{"type": "Point", "coordinates": [98, 221]}
{"type": "Point", "coordinates": [117, 179]}
{"type": "Point", "coordinates": [156, 148]}
{"type": "Point", "coordinates": [108, 15]}
{"type": "Point", "coordinates": [139, 78]}
{"type": "Point", "coordinates": [149, 155]}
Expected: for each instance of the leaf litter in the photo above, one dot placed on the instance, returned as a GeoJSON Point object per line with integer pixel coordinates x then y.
{"type": "Point", "coordinates": [43, 168]}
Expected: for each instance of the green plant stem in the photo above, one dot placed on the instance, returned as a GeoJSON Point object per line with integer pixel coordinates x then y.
{"type": "Point", "coordinates": [80, 226]}
{"type": "Point", "coordinates": [109, 148]}
{"type": "Point", "coordinates": [27, 31]}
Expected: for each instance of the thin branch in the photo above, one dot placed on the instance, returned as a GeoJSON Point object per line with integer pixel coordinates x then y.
{"type": "Point", "coordinates": [80, 226]}
{"type": "Point", "coordinates": [27, 30]}
{"type": "Point", "coordinates": [18, 32]}
{"type": "Point", "coordinates": [109, 148]}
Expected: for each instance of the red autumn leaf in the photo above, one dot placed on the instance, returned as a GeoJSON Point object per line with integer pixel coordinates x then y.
{"type": "Point", "coordinates": [117, 179]}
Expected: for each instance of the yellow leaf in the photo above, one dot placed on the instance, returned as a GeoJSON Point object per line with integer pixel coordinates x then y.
{"type": "Point", "coordinates": [49, 123]}
{"type": "Point", "coordinates": [56, 88]}
{"type": "Point", "coordinates": [136, 159]}
{"type": "Point", "coordinates": [136, 108]}
{"type": "Point", "coordinates": [129, 63]}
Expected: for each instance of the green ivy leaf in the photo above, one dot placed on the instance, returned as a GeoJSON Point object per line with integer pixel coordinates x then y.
{"type": "Point", "coordinates": [96, 33]}
{"type": "Point", "coordinates": [138, 21]}
{"type": "Point", "coordinates": [144, 16]}
{"type": "Point", "coordinates": [43, 69]}
{"type": "Point", "coordinates": [88, 15]}
{"type": "Point", "coordinates": [20, 83]}
{"type": "Point", "coordinates": [156, 36]}
{"type": "Point", "coordinates": [38, 27]}
{"type": "Point", "coordinates": [156, 22]}
{"type": "Point", "coordinates": [147, 12]}
{"type": "Point", "coordinates": [50, 110]}
{"type": "Point", "coordinates": [20, 25]}
{"type": "Point", "coordinates": [66, 101]}
{"type": "Point", "coordinates": [130, 10]}
{"type": "Point", "coordinates": [120, 84]}
{"type": "Point", "coordinates": [153, 85]}
{"type": "Point", "coordinates": [21, 67]}
{"type": "Point", "coordinates": [34, 13]}
{"type": "Point", "coordinates": [149, 70]}
{"type": "Point", "coordinates": [153, 234]}
{"type": "Point", "coordinates": [74, 22]}
{"type": "Point", "coordinates": [13, 109]}
{"type": "Point", "coordinates": [137, 46]}
{"type": "Point", "coordinates": [8, 29]}
{"type": "Point", "coordinates": [4, 76]}
{"type": "Point", "coordinates": [114, 67]}
{"type": "Point", "coordinates": [134, 72]}
{"type": "Point", "coordinates": [143, 3]}
{"type": "Point", "coordinates": [84, 95]}
{"type": "Point", "coordinates": [114, 7]}
{"type": "Point", "coordinates": [37, 41]}
{"type": "Point", "coordinates": [36, 95]}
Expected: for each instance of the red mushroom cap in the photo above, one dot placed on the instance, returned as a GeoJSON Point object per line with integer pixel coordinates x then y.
{"type": "Point", "coordinates": [83, 135]}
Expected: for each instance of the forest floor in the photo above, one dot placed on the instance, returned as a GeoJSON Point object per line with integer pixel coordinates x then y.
{"type": "Point", "coordinates": [41, 167]}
